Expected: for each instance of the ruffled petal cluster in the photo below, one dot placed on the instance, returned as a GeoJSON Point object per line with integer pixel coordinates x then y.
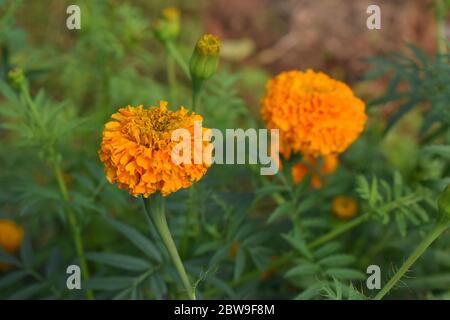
{"type": "Point", "coordinates": [316, 115]}
{"type": "Point", "coordinates": [137, 146]}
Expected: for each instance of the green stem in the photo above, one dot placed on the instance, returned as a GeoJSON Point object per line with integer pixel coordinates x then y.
{"type": "Point", "coordinates": [176, 55]}
{"type": "Point", "coordinates": [158, 216]}
{"type": "Point", "coordinates": [71, 217]}
{"type": "Point", "coordinates": [171, 77]}
{"type": "Point", "coordinates": [197, 86]}
{"type": "Point", "coordinates": [29, 101]}
{"type": "Point", "coordinates": [191, 217]}
{"type": "Point", "coordinates": [420, 249]}
{"type": "Point", "coordinates": [339, 230]}
{"type": "Point", "coordinates": [74, 226]}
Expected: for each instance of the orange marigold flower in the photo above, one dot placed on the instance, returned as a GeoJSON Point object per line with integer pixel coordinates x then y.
{"type": "Point", "coordinates": [11, 236]}
{"type": "Point", "coordinates": [344, 207]}
{"type": "Point", "coordinates": [315, 114]}
{"type": "Point", "coordinates": [136, 149]}
{"type": "Point", "coordinates": [330, 163]}
{"type": "Point", "coordinates": [310, 165]}
{"type": "Point", "coordinates": [300, 170]}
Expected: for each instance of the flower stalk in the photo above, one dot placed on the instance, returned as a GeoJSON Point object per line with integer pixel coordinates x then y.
{"type": "Point", "coordinates": [158, 216]}
{"type": "Point", "coordinates": [416, 254]}
{"type": "Point", "coordinates": [441, 225]}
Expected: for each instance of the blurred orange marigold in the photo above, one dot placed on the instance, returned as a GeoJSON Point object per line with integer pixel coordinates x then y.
{"type": "Point", "coordinates": [344, 207]}
{"type": "Point", "coordinates": [310, 165]}
{"type": "Point", "coordinates": [11, 236]}
{"type": "Point", "coordinates": [137, 145]}
{"type": "Point", "coordinates": [316, 114]}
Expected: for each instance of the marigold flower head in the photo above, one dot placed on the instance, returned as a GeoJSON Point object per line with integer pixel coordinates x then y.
{"type": "Point", "coordinates": [11, 236]}
{"type": "Point", "coordinates": [137, 145]}
{"type": "Point", "coordinates": [344, 207]}
{"type": "Point", "coordinates": [316, 115]}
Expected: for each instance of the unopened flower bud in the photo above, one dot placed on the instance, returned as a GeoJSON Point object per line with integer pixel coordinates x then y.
{"type": "Point", "coordinates": [205, 58]}
{"type": "Point", "coordinates": [16, 77]}
{"type": "Point", "coordinates": [167, 27]}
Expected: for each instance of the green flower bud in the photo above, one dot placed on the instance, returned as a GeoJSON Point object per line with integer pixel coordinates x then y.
{"type": "Point", "coordinates": [444, 204]}
{"type": "Point", "coordinates": [16, 77]}
{"type": "Point", "coordinates": [205, 58]}
{"type": "Point", "coordinates": [167, 27]}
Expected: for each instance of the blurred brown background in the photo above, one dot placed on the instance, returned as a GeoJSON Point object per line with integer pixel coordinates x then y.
{"type": "Point", "coordinates": [327, 34]}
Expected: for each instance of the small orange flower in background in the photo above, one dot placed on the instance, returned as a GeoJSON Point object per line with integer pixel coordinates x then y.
{"type": "Point", "coordinates": [271, 271]}
{"type": "Point", "coordinates": [344, 207]}
{"type": "Point", "coordinates": [11, 236]}
{"type": "Point", "coordinates": [137, 145]}
{"type": "Point", "coordinates": [316, 115]}
{"type": "Point", "coordinates": [233, 250]}
{"type": "Point", "coordinates": [311, 165]}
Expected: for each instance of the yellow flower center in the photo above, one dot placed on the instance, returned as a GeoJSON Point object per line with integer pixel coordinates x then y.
{"type": "Point", "coordinates": [171, 13]}
{"type": "Point", "coordinates": [149, 126]}
{"type": "Point", "coordinates": [208, 44]}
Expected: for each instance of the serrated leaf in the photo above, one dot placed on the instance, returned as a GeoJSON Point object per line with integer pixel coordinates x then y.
{"type": "Point", "coordinates": [239, 264]}
{"type": "Point", "coordinates": [109, 283]}
{"type": "Point", "coordinates": [310, 292]}
{"type": "Point", "coordinates": [280, 211]}
{"type": "Point", "coordinates": [345, 274]}
{"type": "Point", "coordinates": [120, 261]}
{"type": "Point", "coordinates": [299, 245]}
{"type": "Point", "coordinates": [26, 252]}
{"type": "Point", "coordinates": [11, 278]}
{"type": "Point", "coordinates": [337, 260]}
{"type": "Point", "coordinates": [327, 249]}
{"type": "Point", "coordinates": [27, 292]}
{"type": "Point", "coordinates": [307, 269]}
{"type": "Point", "coordinates": [140, 241]}
{"type": "Point", "coordinates": [8, 259]}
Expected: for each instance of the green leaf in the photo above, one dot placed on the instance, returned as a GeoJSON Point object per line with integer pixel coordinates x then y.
{"type": "Point", "coordinates": [345, 274]}
{"type": "Point", "coordinates": [137, 239]}
{"type": "Point", "coordinates": [8, 259]}
{"type": "Point", "coordinates": [302, 186]}
{"type": "Point", "coordinates": [109, 283]}
{"type": "Point", "coordinates": [310, 292]}
{"type": "Point", "coordinates": [239, 264]}
{"type": "Point", "coordinates": [119, 261]}
{"type": "Point", "coordinates": [27, 292]}
{"type": "Point", "coordinates": [299, 244]}
{"type": "Point", "coordinates": [399, 113]}
{"type": "Point", "coordinates": [306, 269]}
{"type": "Point", "coordinates": [438, 149]}
{"type": "Point", "coordinates": [11, 278]}
{"type": "Point", "coordinates": [337, 260]}
{"type": "Point", "coordinates": [327, 249]}
{"type": "Point", "coordinates": [280, 211]}
{"type": "Point", "coordinates": [26, 252]}
{"type": "Point", "coordinates": [269, 190]}
{"type": "Point", "coordinates": [401, 223]}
